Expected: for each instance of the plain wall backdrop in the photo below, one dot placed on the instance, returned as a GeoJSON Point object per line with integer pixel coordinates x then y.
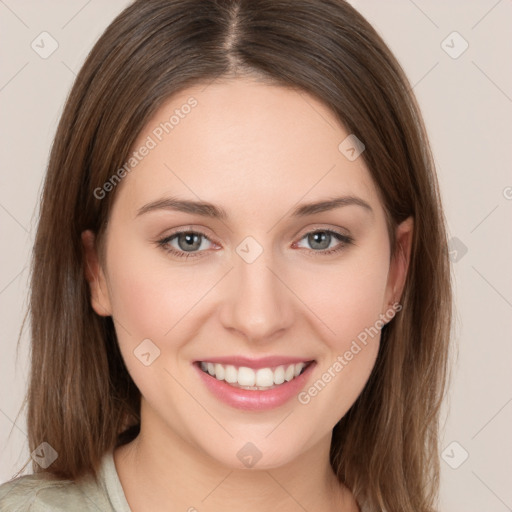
{"type": "Point", "coordinates": [457, 56]}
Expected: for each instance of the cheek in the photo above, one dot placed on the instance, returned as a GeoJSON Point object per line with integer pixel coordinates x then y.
{"type": "Point", "coordinates": [361, 304]}
{"type": "Point", "coordinates": [154, 299]}
{"type": "Point", "coordinates": [345, 297]}
{"type": "Point", "coordinates": [150, 301]}
{"type": "Point", "coordinates": [347, 301]}
{"type": "Point", "coordinates": [148, 295]}
{"type": "Point", "coordinates": [350, 309]}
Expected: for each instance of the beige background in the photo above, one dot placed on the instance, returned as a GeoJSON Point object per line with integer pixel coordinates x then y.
{"type": "Point", "coordinates": [467, 106]}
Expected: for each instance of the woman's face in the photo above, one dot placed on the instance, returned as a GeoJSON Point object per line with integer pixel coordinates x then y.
{"type": "Point", "coordinates": [257, 275]}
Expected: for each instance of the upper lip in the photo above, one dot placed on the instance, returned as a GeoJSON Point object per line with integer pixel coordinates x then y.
{"type": "Point", "coordinates": [255, 364]}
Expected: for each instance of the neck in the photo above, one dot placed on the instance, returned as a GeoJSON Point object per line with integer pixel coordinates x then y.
{"type": "Point", "coordinates": [160, 468]}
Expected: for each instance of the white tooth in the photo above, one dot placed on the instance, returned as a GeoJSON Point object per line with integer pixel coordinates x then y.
{"type": "Point", "coordinates": [298, 368]}
{"type": "Point", "coordinates": [231, 374]}
{"type": "Point", "coordinates": [246, 376]}
{"type": "Point", "coordinates": [279, 375]}
{"type": "Point", "coordinates": [264, 377]}
{"type": "Point", "coordinates": [253, 379]}
{"type": "Point", "coordinates": [219, 372]}
{"type": "Point", "coordinates": [289, 373]}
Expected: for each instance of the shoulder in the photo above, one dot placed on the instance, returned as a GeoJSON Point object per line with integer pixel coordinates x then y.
{"type": "Point", "coordinates": [41, 493]}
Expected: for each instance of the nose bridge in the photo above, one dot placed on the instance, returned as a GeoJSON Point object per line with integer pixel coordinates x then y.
{"type": "Point", "coordinates": [257, 304]}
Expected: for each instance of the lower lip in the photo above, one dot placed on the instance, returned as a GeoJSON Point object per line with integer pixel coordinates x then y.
{"type": "Point", "coordinates": [253, 400]}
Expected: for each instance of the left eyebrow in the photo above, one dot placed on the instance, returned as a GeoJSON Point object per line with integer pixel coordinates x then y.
{"type": "Point", "coordinates": [330, 204]}
{"type": "Point", "coordinates": [206, 209]}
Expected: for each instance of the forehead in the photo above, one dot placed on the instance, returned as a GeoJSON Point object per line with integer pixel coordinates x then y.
{"type": "Point", "coordinates": [245, 145]}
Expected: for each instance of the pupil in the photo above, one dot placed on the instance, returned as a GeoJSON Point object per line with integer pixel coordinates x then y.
{"type": "Point", "coordinates": [320, 238]}
{"type": "Point", "coordinates": [191, 241]}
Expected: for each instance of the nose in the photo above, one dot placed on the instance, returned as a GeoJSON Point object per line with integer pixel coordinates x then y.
{"type": "Point", "coordinates": [257, 304]}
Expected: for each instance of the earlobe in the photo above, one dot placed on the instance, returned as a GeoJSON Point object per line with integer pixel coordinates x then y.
{"type": "Point", "coordinates": [95, 276]}
{"type": "Point", "coordinates": [400, 262]}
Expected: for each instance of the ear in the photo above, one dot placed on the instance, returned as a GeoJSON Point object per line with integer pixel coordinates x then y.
{"type": "Point", "coordinates": [100, 299]}
{"type": "Point", "coordinates": [399, 263]}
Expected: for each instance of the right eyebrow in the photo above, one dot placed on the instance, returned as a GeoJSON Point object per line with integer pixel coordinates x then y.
{"type": "Point", "coordinates": [195, 207]}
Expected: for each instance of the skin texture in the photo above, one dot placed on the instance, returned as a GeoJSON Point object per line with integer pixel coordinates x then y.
{"type": "Point", "coordinates": [258, 151]}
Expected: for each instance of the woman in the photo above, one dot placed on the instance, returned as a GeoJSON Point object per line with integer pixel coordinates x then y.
{"type": "Point", "coordinates": [240, 286]}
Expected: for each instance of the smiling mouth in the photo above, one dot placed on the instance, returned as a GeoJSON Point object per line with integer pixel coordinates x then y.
{"type": "Point", "coordinates": [260, 379]}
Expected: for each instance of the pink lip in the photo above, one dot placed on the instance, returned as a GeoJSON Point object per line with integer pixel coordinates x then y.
{"type": "Point", "coordinates": [255, 364]}
{"type": "Point", "coordinates": [253, 400]}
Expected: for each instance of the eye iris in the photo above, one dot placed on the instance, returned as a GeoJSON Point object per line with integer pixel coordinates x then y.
{"type": "Point", "coordinates": [192, 241]}
{"type": "Point", "coordinates": [319, 237]}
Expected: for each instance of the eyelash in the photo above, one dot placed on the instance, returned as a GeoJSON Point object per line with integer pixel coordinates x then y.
{"type": "Point", "coordinates": [344, 239]}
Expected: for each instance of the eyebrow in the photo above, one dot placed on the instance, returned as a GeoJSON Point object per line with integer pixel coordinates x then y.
{"type": "Point", "coordinates": [206, 209]}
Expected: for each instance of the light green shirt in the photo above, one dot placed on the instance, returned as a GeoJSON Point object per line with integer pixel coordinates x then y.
{"type": "Point", "coordinates": [35, 493]}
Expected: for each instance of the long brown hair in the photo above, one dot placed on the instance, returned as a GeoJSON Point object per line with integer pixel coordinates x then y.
{"type": "Point", "coordinates": [81, 399]}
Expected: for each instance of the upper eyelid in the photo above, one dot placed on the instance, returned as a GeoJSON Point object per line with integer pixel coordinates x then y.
{"type": "Point", "coordinates": [201, 230]}
{"type": "Point", "coordinates": [181, 231]}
